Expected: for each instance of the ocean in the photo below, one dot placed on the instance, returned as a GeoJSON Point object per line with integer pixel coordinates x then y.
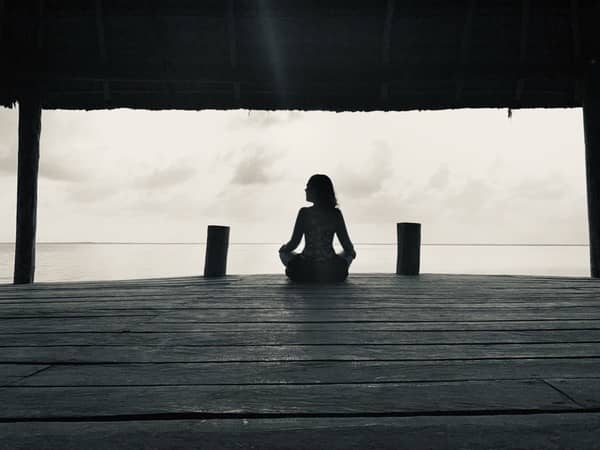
{"type": "Point", "coordinates": [116, 261]}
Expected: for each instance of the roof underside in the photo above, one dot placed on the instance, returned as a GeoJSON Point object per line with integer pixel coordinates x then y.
{"type": "Point", "coordinates": [297, 54]}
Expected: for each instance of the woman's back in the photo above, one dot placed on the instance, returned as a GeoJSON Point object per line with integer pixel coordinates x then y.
{"type": "Point", "coordinates": [320, 224]}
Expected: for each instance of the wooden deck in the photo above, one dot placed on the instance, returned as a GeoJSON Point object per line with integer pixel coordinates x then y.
{"type": "Point", "coordinates": [440, 361]}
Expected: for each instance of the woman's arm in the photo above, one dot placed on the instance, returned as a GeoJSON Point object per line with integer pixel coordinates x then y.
{"type": "Point", "coordinates": [296, 234]}
{"type": "Point", "coordinates": [342, 234]}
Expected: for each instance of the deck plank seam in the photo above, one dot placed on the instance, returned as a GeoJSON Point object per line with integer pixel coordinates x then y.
{"type": "Point", "coordinates": [319, 344]}
{"type": "Point", "coordinates": [308, 383]}
{"type": "Point", "coordinates": [191, 415]}
{"type": "Point", "coordinates": [561, 392]}
{"type": "Point", "coordinates": [254, 361]}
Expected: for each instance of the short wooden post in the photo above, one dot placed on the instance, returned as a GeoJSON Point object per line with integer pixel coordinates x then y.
{"type": "Point", "coordinates": [409, 248]}
{"type": "Point", "coordinates": [30, 116]}
{"type": "Point", "coordinates": [217, 243]}
{"type": "Point", "coordinates": [591, 126]}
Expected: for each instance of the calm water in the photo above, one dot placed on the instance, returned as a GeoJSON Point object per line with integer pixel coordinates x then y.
{"type": "Point", "coordinates": [77, 262]}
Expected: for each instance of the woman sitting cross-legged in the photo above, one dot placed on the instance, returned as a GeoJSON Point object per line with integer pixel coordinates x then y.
{"type": "Point", "coordinates": [318, 261]}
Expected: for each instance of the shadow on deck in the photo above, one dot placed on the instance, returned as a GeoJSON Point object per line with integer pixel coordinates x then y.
{"type": "Point", "coordinates": [452, 361]}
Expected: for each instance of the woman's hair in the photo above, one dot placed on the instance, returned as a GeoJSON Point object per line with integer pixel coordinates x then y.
{"type": "Point", "coordinates": [322, 189]}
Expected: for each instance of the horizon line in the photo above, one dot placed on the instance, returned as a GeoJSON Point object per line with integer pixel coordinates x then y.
{"type": "Point", "coordinates": [446, 244]}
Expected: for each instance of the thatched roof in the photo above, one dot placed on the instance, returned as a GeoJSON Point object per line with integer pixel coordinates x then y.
{"type": "Point", "coordinates": [297, 54]}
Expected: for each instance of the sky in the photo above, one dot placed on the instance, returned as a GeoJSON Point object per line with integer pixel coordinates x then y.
{"type": "Point", "coordinates": [468, 176]}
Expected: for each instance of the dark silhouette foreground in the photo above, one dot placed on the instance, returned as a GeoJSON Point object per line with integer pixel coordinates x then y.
{"type": "Point", "coordinates": [318, 262]}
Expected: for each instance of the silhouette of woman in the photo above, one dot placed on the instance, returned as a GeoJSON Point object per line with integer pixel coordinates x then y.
{"type": "Point", "coordinates": [318, 223]}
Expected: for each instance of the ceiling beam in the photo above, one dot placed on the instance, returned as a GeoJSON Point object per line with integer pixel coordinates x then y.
{"type": "Point", "coordinates": [576, 49]}
{"type": "Point", "coordinates": [231, 32]}
{"type": "Point", "coordinates": [523, 43]}
{"type": "Point", "coordinates": [160, 43]}
{"type": "Point", "coordinates": [2, 14]}
{"type": "Point", "coordinates": [196, 72]}
{"type": "Point", "coordinates": [100, 32]}
{"type": "Point", "coordinates": [386, 47]}
{"type": "Point", "coordinates": [465, 45]}
{"type": "Point", "coordinates": [102, 52]}
{"type": "Point", "coordinates": [41, 24]}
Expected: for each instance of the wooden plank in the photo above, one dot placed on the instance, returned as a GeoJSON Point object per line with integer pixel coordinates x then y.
{"type": "Point", "coordinates": [157, 325]}
{"type": "Point", "coordinates": [424, 289]}
{"type": "Point", "coordinates": [382, 315]}
{"type": "Point", "coordinates": [177, 305]}
{"type": "Point", "coordinates": [80, 324]}
{"type": "Point", "coordinates": [290, 400]}
{"type": "Point", "coordinates": [539, 431]}
{"type": "Point", "coordinates": [142, 324]}
{"type": "Point", "coordinates": [321, 315]}
{"type": "Point", "coordinates": [309, 372]}
{"type": "Point", "coordinates": [243, 294]}
{"type": "Point", "coordinates": [300, 337]}
{"type": "Point", "coordinates": [424, 283]}
{"type": "Point", "coordinates": [318, 301]}
{"type": "Point", "coordinates": [192, 353]}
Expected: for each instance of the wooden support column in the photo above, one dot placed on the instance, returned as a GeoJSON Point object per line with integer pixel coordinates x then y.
{"type": "Point", "coordinates": [217, 244]}
{"type": "Point", "coordinates": [409, 248]}
{"type": "Point", "coordinates": [591, 126]}
{"type": "Point", "coordinates": [30, 114]}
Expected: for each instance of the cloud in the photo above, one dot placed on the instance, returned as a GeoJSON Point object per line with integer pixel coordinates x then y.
{"type": "Point", "coordinates": [552, 187]}
{"type": "Point", "coordinates": [254, 167]}
{"type": "Point", "coordinates": [8, 160]}
{"type": "Point", "coordinates": [475, 196]}
{"type": "Point", "coordinates": [369, 179]}
{"type": "Point", "coordinates": [440, 179]}
{"type": "Point", "coordinates": [59, 171]}
{"type": "Point", "coordinates": [167, 177]}
{"type": "Point", "coordinates": [264, 119]}
{"type": "Point", "coordinates": [50, 169]}
{"type": "Point", "coordinates": [9, 125]}
{"type": "Point", "coordinates": [93, 193]}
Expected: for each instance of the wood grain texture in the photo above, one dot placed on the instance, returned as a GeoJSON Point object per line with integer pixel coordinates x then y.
{"type": "Point", "coordinates": [311, 372]}
{"type": "Point", "coordinates": [342, 399]}
{"type": "Point", "coordinates": [502, 432]}
{"type": "Point", "coordinates": [257, 346]}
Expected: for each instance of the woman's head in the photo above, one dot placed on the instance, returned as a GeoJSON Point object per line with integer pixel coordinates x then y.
{"type": "Point", "coordinates": [319, 190]}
